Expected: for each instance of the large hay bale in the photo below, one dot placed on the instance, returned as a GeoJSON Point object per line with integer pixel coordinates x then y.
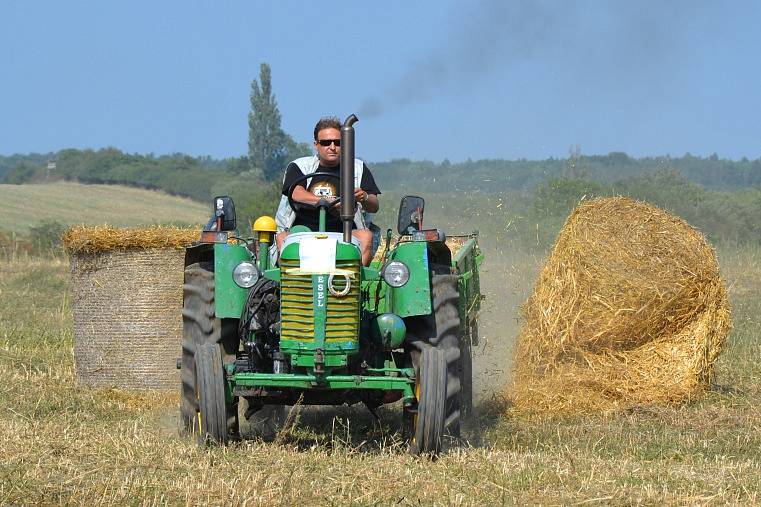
{"type": "Point", "coordinates": [630, 309]}
{"type": "Point", "coordinates": [127, 304]}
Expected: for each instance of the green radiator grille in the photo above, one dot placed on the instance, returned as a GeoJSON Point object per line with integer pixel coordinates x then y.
{"type": "Point", "coordinates": [297, 310]}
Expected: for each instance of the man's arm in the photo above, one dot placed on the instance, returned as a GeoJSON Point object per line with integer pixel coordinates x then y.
{"type": "Point", "coordinates": [368, 201]}
{"type": "Point", "coordinates": [301, 194]}
{"type": "Point", "coordinates": [367, 195]}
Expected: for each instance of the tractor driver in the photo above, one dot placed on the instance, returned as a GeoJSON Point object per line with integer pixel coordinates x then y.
{"type": "Point", "coordinates": [327, 143]}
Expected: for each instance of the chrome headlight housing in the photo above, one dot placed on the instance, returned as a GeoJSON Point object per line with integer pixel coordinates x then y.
{"type": "Point", "coordinates": [396, 274]}
{"type": "Point", "coordinates": [245, 274]}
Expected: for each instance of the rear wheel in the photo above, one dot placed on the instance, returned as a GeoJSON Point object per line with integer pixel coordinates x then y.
{"type": "Point", "coordinates": [210, 424]}
{"type": "Point", "coordinates": [426, 425]}
{"type": "Point", "coordinates": [200, 326]}
{"type": "Point", "coordinates": [442, 330]}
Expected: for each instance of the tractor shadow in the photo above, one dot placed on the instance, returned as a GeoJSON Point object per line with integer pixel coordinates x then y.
{"type": "Point", "coordinates": [347, 428]}
{"type": "Point", "coordinates": [356, 429]}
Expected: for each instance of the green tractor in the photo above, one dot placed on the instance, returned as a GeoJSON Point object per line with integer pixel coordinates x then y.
{"type": "Point", "coordinates": [318, 328]}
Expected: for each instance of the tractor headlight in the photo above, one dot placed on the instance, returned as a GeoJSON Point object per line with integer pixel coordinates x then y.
{"type": "Point", "coordinates": [245, 274]}
{"type": "Point", "coordinates": [396, 273]}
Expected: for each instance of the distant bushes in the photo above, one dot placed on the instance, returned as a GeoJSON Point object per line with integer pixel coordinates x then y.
{"type": "Point", "coordinates": [43, 239]}
{"type": "Point", "coordinates": [720, 197]}
{"type": "Point", "coordinates": [175, 174]}
{"type": "Point", "coordinates": [199, 178]}
{"type": "Point", "coordinates": [722, 216]}
{"type": "Point", "coordinates": [46, 235]}
{"type": "Point", "coordinates": [497, 175]}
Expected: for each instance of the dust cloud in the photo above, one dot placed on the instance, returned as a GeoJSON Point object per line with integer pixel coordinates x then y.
{"type": "Point", "coordinates": [507, 279]}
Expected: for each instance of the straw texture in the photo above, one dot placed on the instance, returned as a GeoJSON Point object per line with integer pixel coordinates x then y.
{"type": "Point", "coordinates": [127, 304]}
{"type": "Point", "coordinates": [630, 309]}
{"type": "Point", "coordinates": [106, 238]}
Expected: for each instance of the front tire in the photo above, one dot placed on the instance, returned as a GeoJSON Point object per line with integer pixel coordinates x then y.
{"type": "Point", "coordinates": [427, 424]}
{"type": "Point", "coordinates": [210, 424]}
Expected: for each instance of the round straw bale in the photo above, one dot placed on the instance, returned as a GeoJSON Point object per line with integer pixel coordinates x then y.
{"type": "Point", "coordinates": [127, 305]}
{"type": "Point", "coordinates": [105, 238]}
{"type": "Point", "coordinates": [630, 309]}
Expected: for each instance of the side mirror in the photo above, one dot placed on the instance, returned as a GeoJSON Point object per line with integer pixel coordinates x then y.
{"type": "Point", "coordinates": [223, 214]}
{"type": "Point", "coordinates": [410, 214]}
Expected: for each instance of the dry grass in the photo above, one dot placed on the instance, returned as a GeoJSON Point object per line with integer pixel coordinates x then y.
{"type": "Point", "coordinates": [76, 203]}
{"type": "Point", "coordinates": [63, 444]}
{"type": "Point", "coordinates": [630, 309]}
{"type": "Point", "coordinates": [89, 239]}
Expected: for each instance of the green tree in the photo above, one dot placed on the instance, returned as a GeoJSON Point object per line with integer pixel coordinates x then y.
{"type": "Point", "coordinates": [22, 173]}
{"type": "Point", "coordinates": [294, 150]}
{"type": "Point", "coordinates": [267, 143]}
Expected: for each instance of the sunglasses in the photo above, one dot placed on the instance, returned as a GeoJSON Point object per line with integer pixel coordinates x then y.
{"type": "Point", "coordinates": [328, 142]}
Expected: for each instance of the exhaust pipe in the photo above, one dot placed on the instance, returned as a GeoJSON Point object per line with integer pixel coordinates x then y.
{"type": "Point", "coordinates": [347, 175]}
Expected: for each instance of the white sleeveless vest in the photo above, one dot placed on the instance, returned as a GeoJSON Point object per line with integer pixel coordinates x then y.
{"type": "Point", "coordinates": [285, 215]}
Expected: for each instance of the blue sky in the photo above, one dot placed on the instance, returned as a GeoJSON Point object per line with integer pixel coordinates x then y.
{"type": "Point", "coordinates": [444, 79]}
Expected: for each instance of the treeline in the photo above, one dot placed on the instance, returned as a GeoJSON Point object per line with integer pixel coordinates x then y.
{"type": "Point", "coordinates": [500, 175]}
{"type": "Point", "coordinates": [727, 217]}
{"type": "Point", "coordinates": [722, 198]}
{"type": "Point", "coordinates": [177, 174]}
{"type": "Point", "coordinates": [199, 178]}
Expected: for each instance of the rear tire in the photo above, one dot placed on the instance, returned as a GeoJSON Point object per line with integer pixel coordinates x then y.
{"type": "Point", "coordinates": [201, 326]}
{"type": "Point", "coordinates": [441, 330]}
{"type": "Point", "coordinates": [210, 424]}
{"type": "Point", "coordinates": [427, 424]}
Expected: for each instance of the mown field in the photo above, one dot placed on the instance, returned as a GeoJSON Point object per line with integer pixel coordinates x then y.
{"type": "Point", "coordinates": [64, 444]}
{"type": "Point", "coordinates": [69, 203]}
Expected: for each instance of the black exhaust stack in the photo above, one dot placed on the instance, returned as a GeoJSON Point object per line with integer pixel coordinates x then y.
{"type": "Point", "coordinates": [347, 175]}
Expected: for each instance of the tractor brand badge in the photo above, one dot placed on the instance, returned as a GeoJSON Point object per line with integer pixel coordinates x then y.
{"type": "Point", "coordinates": [320, 291]}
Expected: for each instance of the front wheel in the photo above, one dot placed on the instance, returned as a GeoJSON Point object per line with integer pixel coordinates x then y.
{"type": "Point", "coordinates": [210, 424]}
{"type": "Point", "coordinates": [426, 425]}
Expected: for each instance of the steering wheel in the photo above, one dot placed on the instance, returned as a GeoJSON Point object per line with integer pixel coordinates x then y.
{"type": "Point", "coordinates": [322, 203]}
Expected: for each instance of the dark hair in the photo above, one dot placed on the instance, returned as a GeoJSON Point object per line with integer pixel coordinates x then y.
{"type": "Point", "coordinates": [327, 122]}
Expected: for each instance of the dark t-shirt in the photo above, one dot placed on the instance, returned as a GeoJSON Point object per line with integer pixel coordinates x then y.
{"type": "Point", "coordinates": [311, 217]}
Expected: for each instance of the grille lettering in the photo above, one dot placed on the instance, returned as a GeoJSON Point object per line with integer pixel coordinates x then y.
{"type": "Point", "coordinates": [320, 291]}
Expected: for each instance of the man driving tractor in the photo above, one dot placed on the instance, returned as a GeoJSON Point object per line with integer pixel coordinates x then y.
{"type": "Point", "coordinates": [327, 143]}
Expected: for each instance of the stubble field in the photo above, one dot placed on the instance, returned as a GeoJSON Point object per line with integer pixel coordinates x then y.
{"type": "Point", "coordinates": [64, 444]}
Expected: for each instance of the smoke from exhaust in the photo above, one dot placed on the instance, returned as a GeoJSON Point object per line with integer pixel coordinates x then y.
{"type": "Point", "coordinates": [603, 42]}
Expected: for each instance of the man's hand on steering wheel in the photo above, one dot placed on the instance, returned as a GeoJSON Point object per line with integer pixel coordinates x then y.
{"type": "Point", "coordinates": [329, 205]}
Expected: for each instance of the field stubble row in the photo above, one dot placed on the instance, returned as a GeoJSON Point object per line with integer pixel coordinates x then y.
{"type": "Point", "coordinates": [66, 444]}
